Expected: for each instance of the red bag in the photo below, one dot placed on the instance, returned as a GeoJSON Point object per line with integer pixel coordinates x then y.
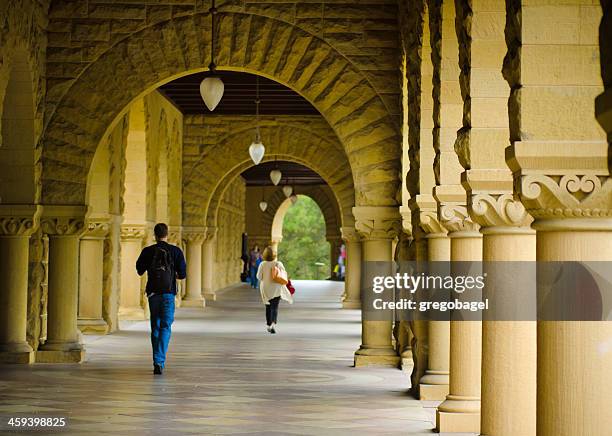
{"type": "Point", "coordinates": [290, 287]}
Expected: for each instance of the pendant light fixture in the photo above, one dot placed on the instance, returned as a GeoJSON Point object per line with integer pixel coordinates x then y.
{"type": "Point", "coordinates": [293, 198]}
{"type": "Point", "coordinates": [212, 87]}
{"type": "Point", "coordinates": [287, 190]}
{"type": "Point", "coordinates": [257, 149]}
{"type": "Point", "coordinates": [263, 205]}
{"type": "Point", "coordinates": [275, 174]}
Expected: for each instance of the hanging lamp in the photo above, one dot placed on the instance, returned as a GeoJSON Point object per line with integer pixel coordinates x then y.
{"type": "Point", "coordinates": [257, 149]}
{"type": "Point", "coordinates": [275, 174]}
{"type": "Point", "coordinates": [212, 87]}
{"type": "Point", "coordinates": [263, 205]}
{"type": "Point", "coordinates": [293, 198]}
{"type": "Point", "coordinates": [287, 190]}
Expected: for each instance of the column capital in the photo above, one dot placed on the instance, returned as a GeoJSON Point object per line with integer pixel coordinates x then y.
{"type": "Point", "coordinates": [491, 201]}
{"type": "Point", "coordinates": [63, 220]}
{"type": "Point", "coordinates": [349, 234]}
{"type": "Point", "coordinates": [133, 231]}
{"type": "Point", "coordinates": [19, 220]}
{"type": "Point", "coordinates": [96, 227]}
{"type": "Point", "coordinates": [456, 219]}
{"type": "Point", "coordinates": [175, 234]}
{"type": "Point", "coordinates": [377, 222]}
{"type": "Point", "coordinates": [211, 233]}
{"type": "Point", "coordinates": [579, 185]}
{"type": "Point", "coordinates": [195, 235]}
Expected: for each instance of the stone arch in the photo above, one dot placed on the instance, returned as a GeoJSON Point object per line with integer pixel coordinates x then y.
{"type": "Point", "coordinates": [167, 50]}
{"type": "Point", "coordinates": [18, 151]}
{"type": "Point", "coordinates": [205, 182]}
{"type": "Point", "coordinates": [278, 206]}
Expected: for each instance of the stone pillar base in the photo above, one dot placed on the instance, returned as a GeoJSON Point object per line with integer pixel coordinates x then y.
{"type": "Point", "coordinates": [21, 357]}
{"type": "Point", "coordinates": [432, 392]}
{"type": "Point", "coordinates": [132, 313]}
{"type": "Point", "coordinates": [58, 356]}
{"type": "Point", "coordinates": [210, 296]}
{"type": "Point", "coordinates": [200, 303]}
{"type": "Point", "coordinates": [457, 422]}
{"type": "Point", "coordinates": [376, 357]}
{"type": "Point", "coordinates": [92, 326]}
{"type": "Point", "coordinates": [351, 304]}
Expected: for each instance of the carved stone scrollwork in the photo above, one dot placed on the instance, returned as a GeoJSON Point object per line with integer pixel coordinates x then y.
{"type": "Point", "coordinates": [211, 233]}
{"type": "Point", "coordinates": [96, 229]}
{"type": "Point", "coordinates": [377, 222]}
{"type": "Point", "coordinates": [498, 210]}
{"type": "Point", "coordinates": [455, 218]}
{"type": "Point", "coordinates": [175, 235]}
{"type": "Point", "coordinates": [194, 238]}
{"type": "Point", "coordinates": [62, 226]}
{"type": "Point", "coordinates": [18, 225]}
{"type": "Point", "coordinates": [133, 231]}
{"type": "Point", "coordinates": [430, 223]}
{"type": "Point", "coordinates": [570, 196]}
{"type": "Point", "coordinates": [349, 234]}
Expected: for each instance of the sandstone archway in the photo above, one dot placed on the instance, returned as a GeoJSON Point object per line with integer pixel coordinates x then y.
{"type": "Point", "coordinates": [164, 51]}
{"type": "Point", "coordinates": [207, 178]}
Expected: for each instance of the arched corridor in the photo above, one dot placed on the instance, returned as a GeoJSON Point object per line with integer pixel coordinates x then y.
{"type": "Point", "coordinates": [229, 376]}
{"type": "Point", "coordinates": [427, 132]}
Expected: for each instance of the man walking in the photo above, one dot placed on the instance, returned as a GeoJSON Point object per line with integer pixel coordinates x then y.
{"type": "Point", "coordinates": [164, 263]}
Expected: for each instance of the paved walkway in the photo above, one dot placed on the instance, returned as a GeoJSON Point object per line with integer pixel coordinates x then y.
{"type": "Point", "coordinates": [227, 375]}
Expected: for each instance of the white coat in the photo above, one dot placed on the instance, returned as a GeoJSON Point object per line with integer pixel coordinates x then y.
{"type": "Point", "coordinates": [268, 288]}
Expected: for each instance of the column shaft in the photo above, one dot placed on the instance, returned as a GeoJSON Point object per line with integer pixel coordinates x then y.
{"type": "Point", "coordinates": [14, 300]}
{"type": "Point", "coordinates": [376, 336]}
{"type": "Point", "coordinates": [352, 280]}
{"type": "Point", "coordinates": [131, 304]}
{"type": "Point", "coordinates": [91, 278]}
{"type": "Point", "coordinates": [63, 338]}
{"type": "Point", "coordinates": [574, 383]}
{"type": "Point", "coordinates": [460, 412]}
{"type": "Point", "coordinates": [208, 269]}
{"type": "Point", "coordinates": [193, 295]}
{"type": "Point", "coordinates": [434, 384]}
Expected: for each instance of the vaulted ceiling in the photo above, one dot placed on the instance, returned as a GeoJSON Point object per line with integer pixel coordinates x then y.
{"type": "Point", "coordinates": [239, 96]}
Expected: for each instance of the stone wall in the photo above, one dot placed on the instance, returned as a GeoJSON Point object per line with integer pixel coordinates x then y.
{"type": "Point", "coordinates": [228, 250]}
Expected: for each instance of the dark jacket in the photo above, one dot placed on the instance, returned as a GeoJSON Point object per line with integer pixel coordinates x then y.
{"type": "Point", "coordinates": [146, 259]}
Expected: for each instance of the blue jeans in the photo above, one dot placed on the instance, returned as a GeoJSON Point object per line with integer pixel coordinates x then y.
{"type": "Point", "coordinates": [254, 277]}
{"type": "Point", "coordinates": [162, 317]}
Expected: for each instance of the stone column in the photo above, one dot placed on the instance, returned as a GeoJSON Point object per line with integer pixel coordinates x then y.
{"type": "Point", "coordinates": [352, 279]}
{"type": "Point", "coordinates": [193, 296]}
{"type": "Point", "coordinates": [377, 227]}
{"type": "Point", "coordinates": [91, 277]}
{"type": "Point", "coordinates": [460, 412]}
{"type": "Point", "coordinates": [175, 237]}
{"type": "Point", "coordinates": [561, 165]}
{"type": "Point", "coordinates": [434, 383]}
{"type": "Point", "coordinates": [132, 238]}
{"type": "Point", "coordinates": [64, 225]}
{"type": "Point", "coordinates": [572, 364]}
{"type": "Point", "coordinates": [208, 264]}
{"type": "Point", "coordinates": [17, 223]}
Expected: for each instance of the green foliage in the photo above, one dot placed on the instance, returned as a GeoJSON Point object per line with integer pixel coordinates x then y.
{"type": "Point", "coordinates": [304, 241]}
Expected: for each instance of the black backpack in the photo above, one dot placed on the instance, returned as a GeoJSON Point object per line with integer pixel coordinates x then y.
{"type": "Point", "coordinates": [161, 272]}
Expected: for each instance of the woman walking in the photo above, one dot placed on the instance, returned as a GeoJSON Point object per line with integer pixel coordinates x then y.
{"type": "Point", "coordinates": [271, 291]}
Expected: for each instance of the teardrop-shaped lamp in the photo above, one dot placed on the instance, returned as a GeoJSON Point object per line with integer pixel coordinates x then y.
{"type": "Point", "coordinates": [293, 198]}
{"type": "Point", "coordinates": [275, 176]}
{"type": "Point", "coordinates": [263, 206]}
{"type": "Point", "coordinates": [287, 190]}
{"type": "Point", "coordinates": [211, 90]}
{"type": "Point", "coordinates": [257, 150]}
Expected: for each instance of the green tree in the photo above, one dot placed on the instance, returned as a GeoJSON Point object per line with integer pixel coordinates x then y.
{"type": "Point", "coordinates": [304, 242]}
